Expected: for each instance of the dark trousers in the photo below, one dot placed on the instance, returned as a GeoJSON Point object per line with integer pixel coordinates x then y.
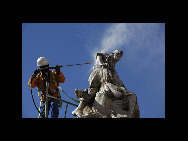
{"type": "Point", "coordinates": [53, 103]}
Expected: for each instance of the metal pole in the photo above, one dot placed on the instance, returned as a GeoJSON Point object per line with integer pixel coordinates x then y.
{"type": "Point", "coordinates": [46, 101]}
{"type": "Point", "coordinates": [66, 110]}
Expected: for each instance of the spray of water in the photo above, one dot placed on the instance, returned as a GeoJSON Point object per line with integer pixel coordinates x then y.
{"type": "Point", "coordinates": [142, 35]}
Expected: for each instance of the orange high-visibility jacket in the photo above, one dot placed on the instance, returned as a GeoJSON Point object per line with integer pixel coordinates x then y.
{"type": "Point", "coordinates": [38, 80]}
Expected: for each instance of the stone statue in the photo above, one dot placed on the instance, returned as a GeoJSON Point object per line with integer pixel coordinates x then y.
{"type": "Point", "coordinates": [106, 96]}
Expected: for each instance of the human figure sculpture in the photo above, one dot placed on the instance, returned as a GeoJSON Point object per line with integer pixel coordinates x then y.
{"type": "Point", "coordinates": [106, 96]}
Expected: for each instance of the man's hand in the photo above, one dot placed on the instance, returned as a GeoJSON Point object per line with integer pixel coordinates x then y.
{"type": "Point", "coordinates": [36, 71]}
{"type": "Point", "coordinates": [57, 68]}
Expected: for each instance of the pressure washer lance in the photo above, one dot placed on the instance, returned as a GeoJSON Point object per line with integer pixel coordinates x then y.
{"type": "Point", "coordinates": [63, 66]}
{"type": "Point", "coordinates": [40, 69]}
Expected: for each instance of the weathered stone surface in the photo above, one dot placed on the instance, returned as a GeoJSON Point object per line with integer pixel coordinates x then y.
{"type": "Point", "coordinates": [104, 107]}
{"type": "Point", "coordinates": [106, 96]}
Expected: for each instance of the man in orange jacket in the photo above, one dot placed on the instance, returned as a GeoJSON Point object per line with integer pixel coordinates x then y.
{"type": "Point", "coordinates": [54, 77]}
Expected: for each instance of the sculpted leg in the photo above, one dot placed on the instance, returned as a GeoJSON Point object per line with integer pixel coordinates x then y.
{"type": "Point", "coordinates": [84, 100]}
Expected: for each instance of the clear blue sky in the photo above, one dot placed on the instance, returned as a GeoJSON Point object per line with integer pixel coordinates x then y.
{"type": "Point", "coordinates": [142, 67]}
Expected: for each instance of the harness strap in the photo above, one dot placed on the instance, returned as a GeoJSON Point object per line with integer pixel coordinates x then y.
{"type": "Point", "coordinates": [54, 79]}
{"type": "Point", "coordinates": [40, 89]}
{"type": "Point", "coordinates": [63, 100]}
{"type": "Point", "coordinates": [39, 106]}
{"type": "Point", "coordinates": [69, 96]}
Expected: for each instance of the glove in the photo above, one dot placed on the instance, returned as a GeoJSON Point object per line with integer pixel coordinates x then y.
{"type": "Point", "coordinates": [57, 68]}
{"type": "Point", "coordinates": [36, 71]}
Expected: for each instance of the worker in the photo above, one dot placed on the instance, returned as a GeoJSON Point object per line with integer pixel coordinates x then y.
{"type": "Point", "coordinates": [54, 77]}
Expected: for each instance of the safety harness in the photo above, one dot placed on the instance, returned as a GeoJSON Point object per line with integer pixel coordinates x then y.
{"type": "Point", "coordinates": [54, 80]}
{"type": "Point", "coordinates": [59, 96]}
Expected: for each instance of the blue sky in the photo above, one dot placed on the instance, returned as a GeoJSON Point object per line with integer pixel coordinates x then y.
{"type": "Point", "coordinates": [142, 67]}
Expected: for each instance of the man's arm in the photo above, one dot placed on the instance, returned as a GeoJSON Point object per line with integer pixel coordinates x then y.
{"type": "Point", "coordinates": [34, 78]}
{"type": "Point", "coordinates": [35, 81]}
{"type": "Point", "coordinates": [59, 75]}
{"type": "Point", "coordinates": [60, 78]}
